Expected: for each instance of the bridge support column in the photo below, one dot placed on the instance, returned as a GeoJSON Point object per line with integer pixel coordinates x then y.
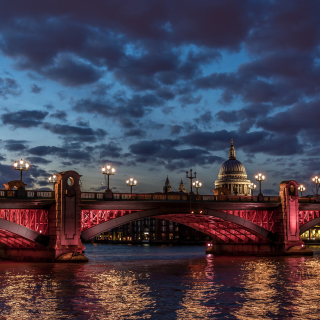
{"type": "Point", "coordinates": [290, 234]}
{"type": "Point", "coordinates": [65, 218]}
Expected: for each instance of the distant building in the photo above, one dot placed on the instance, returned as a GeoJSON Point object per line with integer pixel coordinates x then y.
{"type": "Point", "coordinates": [167, 187]}
{"type": "Point", "coordinates": [232, 178]}
{"type": "Point", "coordinates": [153, 231]}
{"type": "Point", "coordinates": [181, 187]}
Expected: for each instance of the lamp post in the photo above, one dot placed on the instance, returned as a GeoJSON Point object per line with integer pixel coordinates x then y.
{"type": "Point", "coordinates": [21, 168]}
{"type": "Point", "coordinates": [53, 180]}
{"type": "Point", "coordinates": [197, 185]}
{"type": "Point", "coordinates": [301, 188]}
{"type": "Point", "coordinates": [108, 171]}
{"type": "Point", "coordinates": [191, 177]}
{"type": "Point", "coordinates": [316, 181]}
{"type": "Point", "coordinates": [131, 182]}
{"type": "Point", "coordinates": [252, 186]}
{"type": "Point", "coordinates": [260, 177]}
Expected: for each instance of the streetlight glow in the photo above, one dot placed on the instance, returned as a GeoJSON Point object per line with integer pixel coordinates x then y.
{"type": "Point", "coordinates": [131, 182]}
{"type": "Point", "coordinates": [252, 187]}
{"type": "Point", "coordinates": [21, 168]}
{"type": "Point", "coordinates": [260, 177]}
{"type": "Point", "coordinates": [197, 185]}
{"type": "Point", "coordinates": [301, 188]}
{"type": "Point", "coordinates": [316, 181]}
{"type": "Point", "coordinates": [106, 170]}
{"type": "Point", "coordinates": [53, 180]}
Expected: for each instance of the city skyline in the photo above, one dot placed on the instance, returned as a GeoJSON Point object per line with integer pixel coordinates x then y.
{"type": "Point", "coordinates": [159, 88]}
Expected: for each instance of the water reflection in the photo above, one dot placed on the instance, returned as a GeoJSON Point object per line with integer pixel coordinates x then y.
{"type": "Point", "coordinates": [121, 295]}
{"type": "Point", "coordinates": [304, 287]}
{"type": "Point", "coordinates": [164, 287]}
{"type": "Point", "coordinates": [260, 282]}
{"type": "Point", "coordinates": [195, 293]}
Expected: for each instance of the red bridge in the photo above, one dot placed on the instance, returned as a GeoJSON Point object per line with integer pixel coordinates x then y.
{"type": "Point", "coordinates": [37, 225]}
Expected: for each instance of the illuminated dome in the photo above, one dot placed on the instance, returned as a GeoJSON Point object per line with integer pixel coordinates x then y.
{"type": "Point", "coordinates": [233, 175]}
{"type": "Point", "coordinates": [232, 166]}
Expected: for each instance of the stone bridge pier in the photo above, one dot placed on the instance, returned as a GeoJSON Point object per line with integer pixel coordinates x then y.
{"type": "Point", "coordinates": [62, 241]}
{"type": "Point", "coordinates": [286, 236]}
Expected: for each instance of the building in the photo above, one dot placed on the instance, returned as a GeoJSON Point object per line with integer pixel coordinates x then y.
{"type": "Point", "coordinates": [232, 178]}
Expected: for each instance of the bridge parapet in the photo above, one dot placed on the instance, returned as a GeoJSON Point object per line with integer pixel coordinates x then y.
{"type": "Point", "coordinates": [173, 197]}
{"type": "Point", "coordinates": [29, 194]}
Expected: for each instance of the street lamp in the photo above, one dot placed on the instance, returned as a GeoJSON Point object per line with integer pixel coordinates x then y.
{"type": "Point", "coordinates": [131, 183]}
{"type": "Point", "coordinates": [53, 180]}
{"type": "Point", "coordinates": [252, 186]}
{"type": "Point", "coordinates": [108, 171]}
{"type": "Point", "coordinates": [21, 168]}
{"type": "Point", "coordinates": [191, 177]}
{"type": "Point", "coordinates": [301, 188]}
{"type": "Point", "coordinates": [197, 185]}
{"type": "Point", "coordinates": [260, 177]}
{"type": "Point", "coordinates": [316, 180]}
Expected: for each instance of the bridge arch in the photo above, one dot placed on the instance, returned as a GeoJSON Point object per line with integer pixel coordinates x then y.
{"type": "Point", "coordinates": [223, 226]}
{"type": "Point", "coordinates": [305, 227]}
{"type": "Point", "coordinates": [13, 234]}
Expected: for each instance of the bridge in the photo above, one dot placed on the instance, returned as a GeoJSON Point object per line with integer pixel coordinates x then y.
{"type": "Point", "coordinates": [49, 225]}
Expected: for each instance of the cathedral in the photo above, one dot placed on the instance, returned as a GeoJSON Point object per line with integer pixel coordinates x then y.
{"type": "Point", "coordinates": [232, 178]}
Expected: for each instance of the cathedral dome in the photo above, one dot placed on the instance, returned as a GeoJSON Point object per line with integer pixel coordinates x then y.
{"type": "Point", "coordinates": [232, 166]}
{"type": "Point", "coordinates": [232, 178]}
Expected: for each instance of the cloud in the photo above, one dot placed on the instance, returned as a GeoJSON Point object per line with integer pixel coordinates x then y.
{"type": "Point", "coordinates": [75, 133]}
{"type": "Point", "coordinates": [14, 145]}
{"type": "Point", "coordinates": [112, 150]}
{"type": "Point", "coordinates": [169, 154]}
{"type": "Point", "coordinates": [35, 88]}
{"type": "Point", "coordinates": [252, 142]}
{"type": "Point", "coordinates": [37, 160]}
{"type": "Point", "coordinates": [59, 114]}
{"type": "Point", "coordinates": [24, 118]}
{"type": "Point", "coordinates": [9, 86]}
{"type": "Point", "coordinates": [73, 155]}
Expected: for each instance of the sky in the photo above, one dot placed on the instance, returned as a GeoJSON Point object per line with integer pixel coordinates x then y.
{"type": "Point", "coordinates": [156, 88]}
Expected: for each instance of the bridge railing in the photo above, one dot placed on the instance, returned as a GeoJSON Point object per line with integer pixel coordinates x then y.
{"type": "Point", "coordinates": [308, 200]}
{"type": "Point", "coordinates": [171, 197]}
{"type": "Point", "coordinates": [28, 194]}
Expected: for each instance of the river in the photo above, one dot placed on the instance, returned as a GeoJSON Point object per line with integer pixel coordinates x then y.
{"type": "Point", "coordinates": [162, 282]}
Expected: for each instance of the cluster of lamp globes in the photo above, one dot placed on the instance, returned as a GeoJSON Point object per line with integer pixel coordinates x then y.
{"type": "Point", "coordinates": [107, 170]}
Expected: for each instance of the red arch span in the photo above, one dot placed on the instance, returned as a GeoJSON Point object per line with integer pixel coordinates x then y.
{"type": "Point", "coordinates": [221, 225]}
{"type": "Point", "coordinates": [14, 232]}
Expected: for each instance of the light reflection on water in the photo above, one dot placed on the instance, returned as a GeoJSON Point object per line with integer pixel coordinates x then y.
{"type": "Point", "coordinates": [132, 282]}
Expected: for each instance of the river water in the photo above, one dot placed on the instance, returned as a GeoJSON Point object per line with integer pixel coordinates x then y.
{"type": "Point", "coordinates": [162, 282]}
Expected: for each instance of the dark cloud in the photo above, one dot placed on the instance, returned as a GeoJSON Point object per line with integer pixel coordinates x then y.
{"type": "Point", "coordinates": [65, 154]}
{"type": "Point", "coordinates": [15, 145]}
{"type": "Point", "coordinates": [302, 117]}
{"type": "Point", "coordinates": [72, 72]}
{"type": "Point", "coordinates": [24, 118]}
{"type": "Point", "coordinates": [75, 133]}
{"type": "Point", "coordinates": [82, 122]}
{"type": "Point", "coordinates": [138, 133]}
{"type": "Point", "coordinates": [112, 150]}
{"type": "Point", "coordinates": [252, 142]}
{"type": "Point", "coordinates": [37, 160]}
{"type": "Point", "coordinates": [100, 89]}
{"type": "Point", "coordinates": [9, 86]}
{"type": "Point", "coordinates": [167, 153]}
{"type": "Point", "coordinates": [175, 129]}
{"type": "Point", "coordinates": [205, 119]}
{"type": "Point", "coordinates": [137, 106]}
{"type": "Point", "coordinates": [35, 88]}
{"type": "Point", "coordinates": [59, 114]}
